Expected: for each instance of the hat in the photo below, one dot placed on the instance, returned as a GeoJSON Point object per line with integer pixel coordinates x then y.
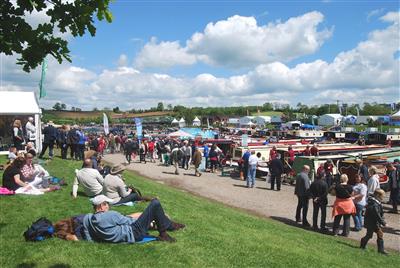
{"type": "Point", "coordinates": [97, 200]}
{"type": "Point", "coordinates": [118, 168]}
{"type": "Point", "coordinates": [50, 123]}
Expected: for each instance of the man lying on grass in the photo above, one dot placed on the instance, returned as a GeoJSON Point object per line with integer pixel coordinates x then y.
{"type": "Point", "coordinates": [111, 226]}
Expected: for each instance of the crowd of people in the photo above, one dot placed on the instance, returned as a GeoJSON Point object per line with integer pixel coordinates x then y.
{"type": "Point", "coordinates": [106, 186]}
{"type": "Point", "coordinates": [350, 201]}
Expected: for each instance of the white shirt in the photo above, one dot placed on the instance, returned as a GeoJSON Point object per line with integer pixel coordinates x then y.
{"type": "Point", "coordinates": [90, 179]}
{"type": "Point", "coordinates": [30, 130]}
{"type": "Point", "coordinates": [373, 184]}
{"type": "Point", "coordinates": [253, 160]}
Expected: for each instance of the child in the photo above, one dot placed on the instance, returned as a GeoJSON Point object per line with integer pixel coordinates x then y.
{"type": "Point", "coordinates": [373, 220]}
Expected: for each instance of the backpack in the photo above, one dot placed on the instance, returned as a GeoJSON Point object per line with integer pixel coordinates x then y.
{"type": "Point", "coordinates": [39, 230]}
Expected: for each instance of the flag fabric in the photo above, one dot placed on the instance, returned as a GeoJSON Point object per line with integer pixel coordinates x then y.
{"type": "Point", "coordinates": [138, 123]}
{"type": "Point", "coordinates": [105, 124]}
{"type": "Point", "coordinates": [340, 109]}
{"type": "Point", "coordinates": [42, 92]}
{"type": "Point", "coordinates": [358, 111]}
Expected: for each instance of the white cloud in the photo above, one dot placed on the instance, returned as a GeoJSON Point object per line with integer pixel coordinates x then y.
{"type": "Point", "coordinates": [163, 55]}
{"type": "Point", "coordinates": [122, 60]}
{"type": "Point", "coordinates": [240, 42]}
{"type": "Point", "coordinates": [374, 13]}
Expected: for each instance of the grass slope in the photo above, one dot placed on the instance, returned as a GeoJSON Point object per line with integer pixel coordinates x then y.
{"type": "Point", "coordinates": [216, 235]}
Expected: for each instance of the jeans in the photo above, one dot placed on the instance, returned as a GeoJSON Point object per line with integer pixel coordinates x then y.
{"type": "Point", "coordinates": [319, 205]}
{"type": "Point", "coordinates": [81, 151]}
{"type": "Point", "coordinates": [153, 212]}
{"type": "Point", "coordinates": [358, 217]}
{"type": "Point", "coordinates": [302, 206]}
{"type": "Point", "coordinates": [132, 197]}
{"type": "Point", "coordinates": [276, 178]}
{"type": "Point", "coordinates": [346, 224]}
{"type": "Point", "coordinates": [251, 175]}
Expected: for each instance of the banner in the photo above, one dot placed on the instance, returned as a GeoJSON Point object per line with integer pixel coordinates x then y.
{"type": "Point", "coordinates": [42, 91]}
{"type": "Point", "coordinates": [245, 139]}
{"type": "Point", "coordinates": [105, 124]}
{"type": "Point", "coordinates": [138, 123]}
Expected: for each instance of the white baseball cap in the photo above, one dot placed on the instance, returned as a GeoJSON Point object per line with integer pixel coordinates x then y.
{"type": "Point", "coordinates": [97, 200]}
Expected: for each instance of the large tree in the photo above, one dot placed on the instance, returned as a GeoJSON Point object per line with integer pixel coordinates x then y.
{"type": "Point", "coordinates": [31, 43]}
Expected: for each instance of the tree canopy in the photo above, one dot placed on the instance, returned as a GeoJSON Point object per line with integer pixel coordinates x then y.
{"type": "Point", "coordinates": [34, 43]}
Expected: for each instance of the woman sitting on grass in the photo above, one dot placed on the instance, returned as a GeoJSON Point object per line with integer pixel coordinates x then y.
{"type": "Point", "coordinates": [12, 177]}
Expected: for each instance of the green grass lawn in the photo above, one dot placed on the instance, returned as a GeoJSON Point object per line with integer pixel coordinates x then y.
{"type": "Point", "coordinates": [216, 235]}
{"type": "Point", "coordinates": [269, 113]}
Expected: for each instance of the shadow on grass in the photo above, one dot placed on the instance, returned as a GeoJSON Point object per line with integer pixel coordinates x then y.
{"type": "Point", "coordinates": [2, 225]}
{"type": "Point", "coordinates": [26, 265]}
{"type": "Point", "coordinates": [347, 244]}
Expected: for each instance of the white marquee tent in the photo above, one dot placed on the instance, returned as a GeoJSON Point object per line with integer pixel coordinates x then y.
{"type": "Point", "coordinates": [196, 122]}
{"type": "Point", "coordinates": [182, 122]}
{"type": "Point", "coordinates": [21, 105]}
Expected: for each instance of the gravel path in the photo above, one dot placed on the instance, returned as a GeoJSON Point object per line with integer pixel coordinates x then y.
{"type": "Point", "coordinates": [260, 200]}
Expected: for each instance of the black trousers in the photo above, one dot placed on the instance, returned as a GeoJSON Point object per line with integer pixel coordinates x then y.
{"type": "Point", "coordinates": [64, 148]}
{"type": "Point", "coordinates": [45, 146]}
{"type": "Point", "coordinates": [317, 206]}
{"type": "Point", "coordinates": [153, 212]}
{"type": "Point", "coordinates": [302, 206]}
{"type": "Point", "coordinates": [346, 224]}
{"type": "Point", "coordinates": [277, 179]}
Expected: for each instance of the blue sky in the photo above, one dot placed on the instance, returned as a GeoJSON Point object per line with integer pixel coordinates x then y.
{"type": "Point", "coordinates": [245, 52]}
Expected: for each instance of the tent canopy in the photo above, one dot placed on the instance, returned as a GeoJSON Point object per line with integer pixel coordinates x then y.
{"type": "Point", "coordinates": [175, 121]}
{"type": "Point", "coordinates": [180, 134]}
{"type": "Point", "coordinates": [196, 119]}
{"type": "Point", "coordinates": [18, 102]}
{"type": "Point", "coordinates": [182, 120]}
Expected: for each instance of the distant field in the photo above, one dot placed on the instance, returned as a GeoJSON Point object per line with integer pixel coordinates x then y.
{"type": "Point", "coordinates": [270, 113]}
{"type": "Point", "coordinates": [73, 115]}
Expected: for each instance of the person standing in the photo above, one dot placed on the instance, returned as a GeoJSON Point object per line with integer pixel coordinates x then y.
{"type": "Point", "coordinates": [343, 206]}
{"type": "Point", "coordinates": [197, 157]}
{"type": "Point", "coordinates": [363, 170]}
{"type": "Point", "coordinates": [62, 135]}
{"type": "Point", "coordinates": [302, 191]}
{"type": "Point", "coordinates": [30, 130]}
{"type": "Point", "coordinates": [50, 136]}
{"type": "Point", "coordinates": [360, 200]}
{"type": "Point", "coordinates": [251, 175]}
{"type": "Point", "coordinates": [307, 151]}
{"type": "Point", "coordinates": [374, 220]}
{"type": "Point", "coordinates": [314, 150]}
{"type": "Point", "coordinates": [276, 168]}
{"type": "Point", "coordinates": [81, 144]}
{"type": "Point", "coordinates": [394, 185]}
{"type": "Point", "coordinates": [72, 140]}
{"type": "Point", "coordinates": [245, 158]}
{"type": "Point", "coordinates": [319, 193]}
{"type": "Point", "coordinates": [291, 155]}
{"type": "Point", "coordinates": [373, 182]}
{"type": "Point", "coordinates": [206, 150]}
{"type": "Point", "coordinates": [18, 135]}
{"type": "Point", "coordinates": [128, 149]}
{"type": "Point", "coordinates": [272, 153]}
{"type": "Point", "coordinates": [187, 155]}
{"type": "Point", "coordinates": [328, 170]}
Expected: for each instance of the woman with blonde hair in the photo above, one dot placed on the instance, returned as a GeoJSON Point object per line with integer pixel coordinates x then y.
{"type": "Point", "coordinates": [18, 135]}
{"type": "Point", "coordinates": [343, 206]}
{"type": "Point", "coordinates": [373, 182]}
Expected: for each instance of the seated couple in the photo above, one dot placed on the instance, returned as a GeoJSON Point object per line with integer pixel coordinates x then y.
{"type": "Point", "coordinates": [112, 186]}
{"type": "Point", "coordinates": [110, 226]}
{"type": "Point", "coordinates": [22, 176]}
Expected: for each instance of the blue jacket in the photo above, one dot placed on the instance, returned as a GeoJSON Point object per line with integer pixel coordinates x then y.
{"type": "Point", "coordinates": [109, 226]}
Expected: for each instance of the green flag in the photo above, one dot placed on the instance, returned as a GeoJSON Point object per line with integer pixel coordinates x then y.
{"type": "Point", "coordinates": [42, 92]}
